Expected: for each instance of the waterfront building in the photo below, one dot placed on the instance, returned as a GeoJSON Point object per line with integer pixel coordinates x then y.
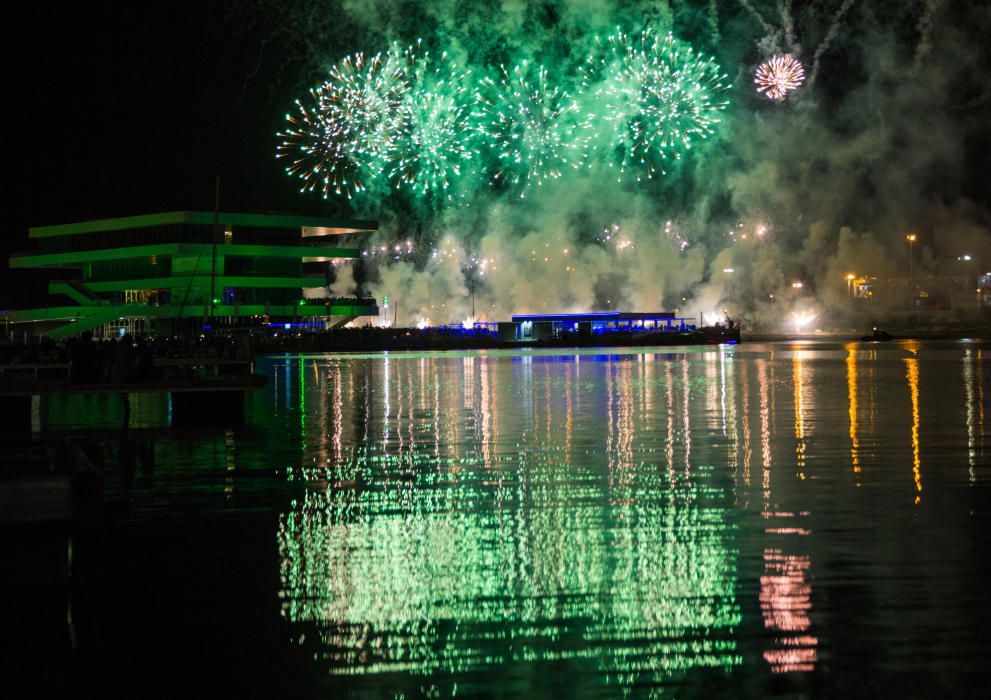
{"type": "Point", "coordinates": [160, 273]}
{"type": "Point", "coordinates": [538, 326]}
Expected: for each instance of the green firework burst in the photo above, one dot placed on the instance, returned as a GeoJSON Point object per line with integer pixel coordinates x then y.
{"type": "Point", "coordinates": [434, 138]}
{"type": "Point", "coordinates": [338, 139]}
{"type": "Point", "coordinates": [536, 130]}
{"type": "Point", "coordinates": [658, 96]}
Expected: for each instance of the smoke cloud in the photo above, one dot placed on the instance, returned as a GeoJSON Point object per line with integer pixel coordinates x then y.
{"type": "Point", "coordinates": [808, 190]}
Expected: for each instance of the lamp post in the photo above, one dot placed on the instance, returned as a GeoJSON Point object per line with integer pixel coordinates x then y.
{"type": "Point", "coordinates": [911, 276]}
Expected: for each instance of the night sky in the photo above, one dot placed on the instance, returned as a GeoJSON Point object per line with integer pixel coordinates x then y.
{"type": "Point", "coordinates": [127, 108]}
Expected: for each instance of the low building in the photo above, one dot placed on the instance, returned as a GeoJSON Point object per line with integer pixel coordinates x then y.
{"type": "Point", "coordinates": [161, 273]}
{"type": "Point", "coordinates": [540, 326]}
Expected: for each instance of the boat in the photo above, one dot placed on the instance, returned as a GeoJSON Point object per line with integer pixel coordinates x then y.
{"type": "Point", "coordinates": [878, 336]}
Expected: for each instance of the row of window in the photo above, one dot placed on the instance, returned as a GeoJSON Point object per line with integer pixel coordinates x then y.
{"type": "Point", "coordinates": [174, 233]}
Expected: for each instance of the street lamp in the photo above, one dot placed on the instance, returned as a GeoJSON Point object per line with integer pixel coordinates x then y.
{"type": "Point", "coordinates": [849, 284]}
{"type": "Point", "coordinates": [911, 276]}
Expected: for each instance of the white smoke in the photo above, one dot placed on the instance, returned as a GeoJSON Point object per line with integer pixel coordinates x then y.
{"type": "Point", "coordinates": [836, 175]}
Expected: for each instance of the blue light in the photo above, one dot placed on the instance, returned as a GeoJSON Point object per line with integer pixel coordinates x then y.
{"type": "Point", "coordinates": [301, 324]}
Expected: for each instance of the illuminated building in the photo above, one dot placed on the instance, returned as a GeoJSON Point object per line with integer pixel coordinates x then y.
{"type": "Point", "coordinates": [229, 269]}
{"type": "Point", "coordinates": [538, 326]}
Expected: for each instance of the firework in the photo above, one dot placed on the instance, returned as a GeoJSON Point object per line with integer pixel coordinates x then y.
{"type": "Point", "coordinates": [659, 95]}
{"type": "Point", "coordinates": [339, 138]}
{"type": "Point", "coordinates": [778, 76]}
{"type": "Point", "coordinates": [416, 122]}
{"type": "Point", "coordinates": [434, 137]}
{"type": "Point", "coordinates": [533, 127]}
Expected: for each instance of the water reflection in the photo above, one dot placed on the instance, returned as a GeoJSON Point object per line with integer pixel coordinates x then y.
{"type": "Point", "coordinates": [560, 524]}
{"type": "Point", "coordinates": [786, 595]}
{"type": "Point", "coordinates": [468, 514]}
{"type": "Point", "coordinates": [543, 535]}
{"type": "Point", "coordinates": [973, 381]}
{"type": "Point", "coordinates": [851, 378]}
{"type": "Point", "coordinates": [912, 376]}
{"type": "Point", "coordinates": [765, 431]}
{"type": "Point", "coordinates": [798, 384]}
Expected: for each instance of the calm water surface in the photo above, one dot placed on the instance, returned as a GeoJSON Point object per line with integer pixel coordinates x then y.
{"type": "Point", "coordinates": [780, 519]}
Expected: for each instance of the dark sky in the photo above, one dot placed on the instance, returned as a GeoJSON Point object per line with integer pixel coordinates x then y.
{"type": "Point", "coordinates": [126, 108]}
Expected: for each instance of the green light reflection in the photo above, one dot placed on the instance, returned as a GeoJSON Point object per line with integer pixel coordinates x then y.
{"type": "Point", "coordinates": [463, 517]}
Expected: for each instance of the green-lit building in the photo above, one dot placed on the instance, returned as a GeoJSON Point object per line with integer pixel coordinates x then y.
{"type": "Point", "coordinates": [164, 272]}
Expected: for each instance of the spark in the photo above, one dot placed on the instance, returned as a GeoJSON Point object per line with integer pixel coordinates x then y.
{"type": "Point", "coordinates": [674, 234]}
{"type": "Point", "coordinates": [395, 251]}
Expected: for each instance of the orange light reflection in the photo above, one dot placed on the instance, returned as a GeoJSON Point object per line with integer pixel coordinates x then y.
{"type": "Point", "coordinates": [851, 382]}
{"type": "Point", "coordinates": [912, 374]}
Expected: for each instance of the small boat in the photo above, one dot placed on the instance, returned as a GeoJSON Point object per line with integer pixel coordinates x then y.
{"type": "Point", "coordinates": [878, 336]}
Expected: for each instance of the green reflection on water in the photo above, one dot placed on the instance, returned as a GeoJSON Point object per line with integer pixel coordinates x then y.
{"type": "Point", "coordinates": [460, 518]}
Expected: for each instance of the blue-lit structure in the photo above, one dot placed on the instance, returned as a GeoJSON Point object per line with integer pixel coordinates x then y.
{"type": "Point", "coordinates": [540, 326]}
{"type": "Point", "coordinates": [478, 329]}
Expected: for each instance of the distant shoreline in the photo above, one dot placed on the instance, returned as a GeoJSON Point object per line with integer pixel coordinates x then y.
{"type": "Point", "coordinates": [974, 333]}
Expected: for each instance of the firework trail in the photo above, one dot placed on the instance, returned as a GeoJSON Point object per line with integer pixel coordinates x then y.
{"type": "Point", "coordinates": [768, 29]}
{"type": "Point", "coordinates": [788, 24]}
{"type": "Point", "coordinates": [834, 27]}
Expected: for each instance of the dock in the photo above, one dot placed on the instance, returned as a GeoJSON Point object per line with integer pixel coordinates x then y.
{"type": "Point", "coordinates": [203, 391]}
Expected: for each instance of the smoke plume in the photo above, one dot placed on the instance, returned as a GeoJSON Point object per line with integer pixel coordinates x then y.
{"type": "Point", "coordinates": [807, 190]}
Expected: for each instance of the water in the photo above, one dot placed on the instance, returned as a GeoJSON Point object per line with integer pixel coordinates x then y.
{"type": "Point", "coordinates": [780, 519]}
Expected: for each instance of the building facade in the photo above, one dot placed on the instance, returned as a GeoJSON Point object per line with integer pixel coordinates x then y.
{"type": "Point", "coordinates": [596, 323]}
{"type": "Point", "coordinates": [159, 273]}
